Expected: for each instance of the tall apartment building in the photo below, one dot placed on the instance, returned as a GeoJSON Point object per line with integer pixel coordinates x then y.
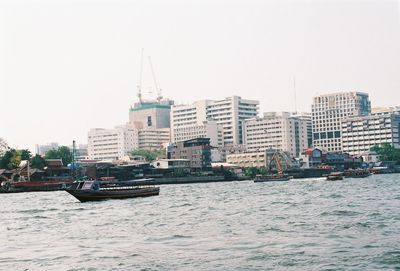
{"type": "Point", "coordinates": [327, 114]}
{"type": "Point", "coordinates": [230, 113]}
{"type": "Point", "coordinates": [221, 120]}
{"type": "Point", "coordinates": [360, 134]}
{"type": "Point", "coordinates": [385, 110]}
{"type": "Point", "coordinates": [283, 131]}
{"type": "Point", "coordinates": [112, 144]}
{"type": "Point", "coordinates": [190, 121]}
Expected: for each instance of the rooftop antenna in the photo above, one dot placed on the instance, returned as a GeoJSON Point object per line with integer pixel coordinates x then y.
{"type": "Point", "coordinates": [158, 89]}
{"type": "Point", "coordinates": [295, 95]}
{"type": "Point", "coordinates": [139, 87]}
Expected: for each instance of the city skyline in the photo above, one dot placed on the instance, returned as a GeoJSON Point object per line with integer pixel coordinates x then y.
{"type": "Point", "coordinates": [60, 77]}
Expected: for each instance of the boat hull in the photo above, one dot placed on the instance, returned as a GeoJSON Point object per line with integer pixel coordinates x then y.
{"type": "Point", "coordinates": [357, 174]}
{"type": "Point", "coordinates": [334, 178]}
{"type": "Point", "coordinates": [263, 179]}
{"type": "Point", "coordinates": [90, 195]}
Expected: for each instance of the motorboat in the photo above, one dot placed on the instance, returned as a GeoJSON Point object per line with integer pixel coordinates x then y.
{"type": "Point", "coordinates": [335, 176]}
{"type": "Point", "coordinates": [272, 178]}
{"type": "Point", "coordinates": [93, 190]}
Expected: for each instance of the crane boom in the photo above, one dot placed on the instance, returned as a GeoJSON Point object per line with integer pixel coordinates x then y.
{"type": "Point", "coordinates": [139, 86]}
{"type": "Point", "coordinates": [159, 96]}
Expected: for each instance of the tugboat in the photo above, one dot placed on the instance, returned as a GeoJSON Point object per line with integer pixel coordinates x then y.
{"type": "Point", "coordinates": [335, 176]}
{"type": "Point", "coordinates": [357, 173]}
{"type": "Point", "coordinates": [92, 191]}
{"type": "Point", "coordinates": [280, 176]}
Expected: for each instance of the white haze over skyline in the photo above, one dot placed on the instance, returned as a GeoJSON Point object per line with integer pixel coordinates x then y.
{"type": "Point", "coordinates": [68, 66]}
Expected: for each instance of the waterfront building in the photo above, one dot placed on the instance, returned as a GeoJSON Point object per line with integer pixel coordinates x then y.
{"type": "Point", "coordinates": [283, 131]}
{"type": "Point", "coordinates": [219, 120]}
{"type": "Point", "coordinates": [247, 159]}
{"type": "Point", "coordinates": [327, 113]}
{"type": "Point", "coordinates": [43, 149]}
{"type": "Point", "coordinates": [112, 144]}
{"type": "Point", "coordinates": [316, 157]}
{"type": "Point", "coordinates": [150, 114]}
{"type": "Point", "coordinates": [172, 164]}
{"type": "Point", "coordinates": [360, 134]}
{"type": "Point", "coordinates": [197, 151]}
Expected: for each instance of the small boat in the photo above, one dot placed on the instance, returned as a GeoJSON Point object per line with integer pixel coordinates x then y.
{"type": "Point", "coordinates": [93, 191]}
{"type": "Point", "coordinates": [357, 173]}
{"type": "Point", "coordinates": [334, 176]}
{"type": "Point", "coordinates": [272, 178]}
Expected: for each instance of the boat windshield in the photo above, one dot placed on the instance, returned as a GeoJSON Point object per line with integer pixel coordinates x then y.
{"type": "Point", "coordinates": [87, 185]}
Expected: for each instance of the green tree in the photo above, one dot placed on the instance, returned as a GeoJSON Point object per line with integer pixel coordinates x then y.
{"type": "Point", "coordinates": [38, 162]}
{"type": "Point", "coordinates": [5, 159]}
{"type": "Point", "coordinates": [149, 155]}
{"type": "Point", "coordinates": [15, 159]}
{"type": "Point", "coordinates": [25, 154]}
{"type": "Point", "coordinates": [63, 153]}
{"type": "Point", "coordinates": [251, 171]}
{"type": "Point", "coordinates": [387, 152]}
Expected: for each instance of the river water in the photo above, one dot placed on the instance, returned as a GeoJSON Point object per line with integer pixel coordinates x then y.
{"type": "Point", "coordinates": [308, 224]}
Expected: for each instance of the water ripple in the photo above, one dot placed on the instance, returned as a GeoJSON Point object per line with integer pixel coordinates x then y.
{"type": "Point", "coordinates": [298, 225]}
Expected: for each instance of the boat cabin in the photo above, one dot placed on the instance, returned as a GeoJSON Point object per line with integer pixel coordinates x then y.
{"type": "Point", "coordinates": [88, 185]}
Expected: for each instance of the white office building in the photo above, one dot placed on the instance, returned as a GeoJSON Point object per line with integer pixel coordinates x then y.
{"type": "Point", "coordinates": [385, 110]}
{"type": "Point", "coordinates": [327, 114]}
{"type": "Point", "coordinates": [230, 114]}
{"type": "Point", "coordinates": [153, 139]}
{"type": "Point", "coordinates": [190, 121]}
{"type": "Point", "coordinates": [221, 120]}
{"type": "Point", "coordinates": [283, 131]}
{"type": "Point", "coordinates": [112, 144]}
{"type": "Point", "coordinates": [360, 134]}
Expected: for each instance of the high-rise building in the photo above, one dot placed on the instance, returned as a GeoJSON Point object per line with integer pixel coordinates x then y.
{"type": "Point", "coordinates": [153, 139]}
{"type": "Point", "coordinates": [230, 113]}
{"type": "Point", "coordinates": [385, 110]}
{"type": "Point", "coordinates": [112, 144]}
{"type": "Point", "coordinates": [151, 114]}
{"type": "Point", "coordinates": [190, 121]}
{"type": "Point", "coordinates": [43, 149]}
{"type": "Point", "coordinates": [327, 114]}
{"type": "Point", "coordinates": [360, 134]}
{"type": "Point", "coordinates": [221, 120]}
{"type": "Point", "coordinates": [283, 131]}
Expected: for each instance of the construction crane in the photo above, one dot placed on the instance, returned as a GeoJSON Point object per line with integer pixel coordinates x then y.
{"type": "Point", "coordinates": [158, 89]}
{"type": "Point", "coordinates": [139, 86]}
{"type": "Point", "coordinates": [275, 158]}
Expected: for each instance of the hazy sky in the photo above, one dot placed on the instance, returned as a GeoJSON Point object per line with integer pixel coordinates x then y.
{"type": "Point", "coordinates": [68, 66]}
